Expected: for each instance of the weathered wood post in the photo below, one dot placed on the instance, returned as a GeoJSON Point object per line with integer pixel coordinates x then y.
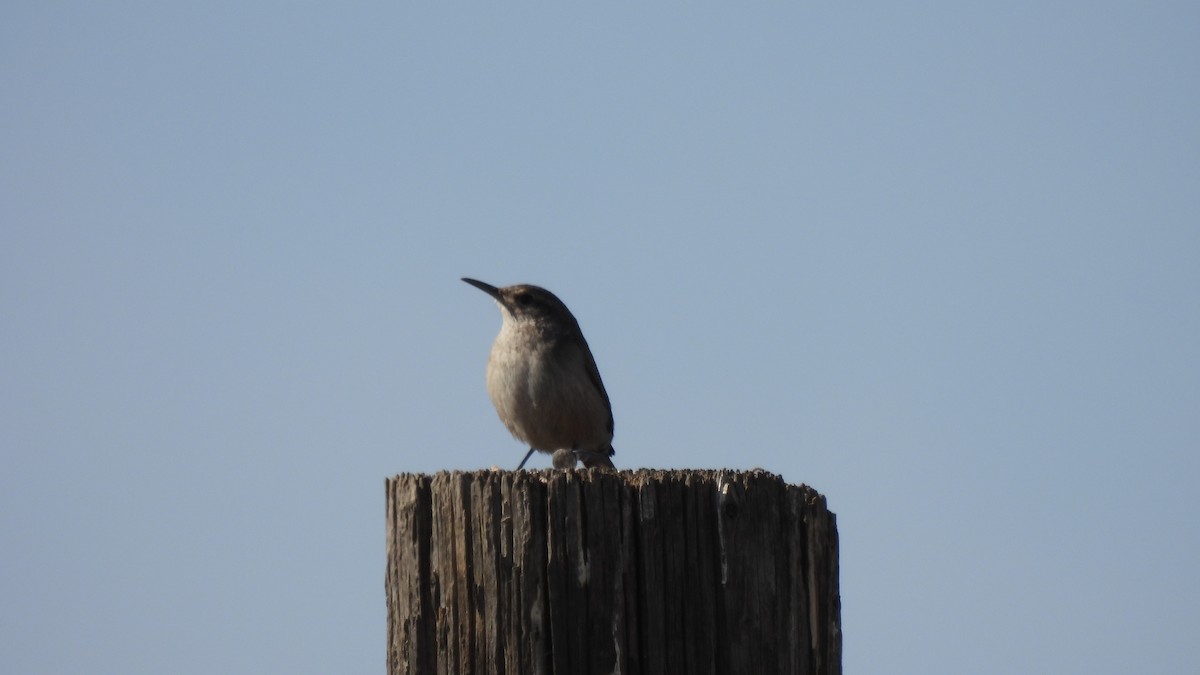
{"type": "Point", "coordinates": [641, 572]}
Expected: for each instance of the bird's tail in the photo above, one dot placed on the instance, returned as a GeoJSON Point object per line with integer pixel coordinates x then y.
{"type": "Point", "coordinates": [598, 458]}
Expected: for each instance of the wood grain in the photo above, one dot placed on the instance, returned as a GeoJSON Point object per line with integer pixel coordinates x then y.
{"type": "Point", "coordinates": [634, 572]}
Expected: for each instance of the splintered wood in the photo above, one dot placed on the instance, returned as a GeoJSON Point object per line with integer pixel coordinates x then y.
{"type": "Point", "coordinates": [597, 572]}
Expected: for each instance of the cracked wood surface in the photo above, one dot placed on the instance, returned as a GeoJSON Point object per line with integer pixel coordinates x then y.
{"type": "Point", "coordinates": [590, 571]}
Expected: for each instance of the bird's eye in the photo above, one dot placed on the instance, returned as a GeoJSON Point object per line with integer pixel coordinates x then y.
{"type": "Point", "coordinates": [524, 299]}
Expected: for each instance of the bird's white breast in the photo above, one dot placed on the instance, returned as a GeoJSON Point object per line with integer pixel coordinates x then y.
{"type": "Point", "coordinates": [548, 403]}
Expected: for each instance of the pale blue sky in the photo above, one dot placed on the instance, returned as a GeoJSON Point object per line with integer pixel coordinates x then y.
{"type": "Point", "coordinates": [938, 260]}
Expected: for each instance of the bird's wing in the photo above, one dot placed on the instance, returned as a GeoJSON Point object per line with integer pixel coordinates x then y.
{"type": "Point", "coordinates": [579, 346]}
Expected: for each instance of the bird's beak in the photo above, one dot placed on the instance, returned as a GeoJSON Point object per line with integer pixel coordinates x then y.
{"type": "Point", "coordinates": [486, 288]}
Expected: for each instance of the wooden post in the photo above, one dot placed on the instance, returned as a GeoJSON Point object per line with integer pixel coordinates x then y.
{"type": "Point", "coordinates": [640, 572]}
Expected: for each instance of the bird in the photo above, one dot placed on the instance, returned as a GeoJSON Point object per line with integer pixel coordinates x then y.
{"type": "Point", "coordinates": [543, 380]}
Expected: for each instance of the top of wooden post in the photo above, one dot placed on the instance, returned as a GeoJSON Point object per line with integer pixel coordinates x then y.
{"type": "Point", "coordinates": [599, 571]}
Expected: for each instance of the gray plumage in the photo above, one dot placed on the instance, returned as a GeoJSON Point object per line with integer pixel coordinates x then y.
{"type": "Point", "coordinates": [543, 380]}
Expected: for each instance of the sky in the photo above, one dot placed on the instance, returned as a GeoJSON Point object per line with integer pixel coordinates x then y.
{"type": "Point", "coordinates": [936, 260]}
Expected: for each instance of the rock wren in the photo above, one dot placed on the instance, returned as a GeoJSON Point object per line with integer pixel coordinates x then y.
{"type": "Point", "coordinates": [543, 380]}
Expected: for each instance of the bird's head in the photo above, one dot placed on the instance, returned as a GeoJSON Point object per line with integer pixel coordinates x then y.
{"type": "Point", "coordinates": [527, 303]}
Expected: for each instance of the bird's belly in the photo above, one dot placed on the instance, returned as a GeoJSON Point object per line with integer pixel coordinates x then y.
{"type": "Point", "coordinates": [546, 406]}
